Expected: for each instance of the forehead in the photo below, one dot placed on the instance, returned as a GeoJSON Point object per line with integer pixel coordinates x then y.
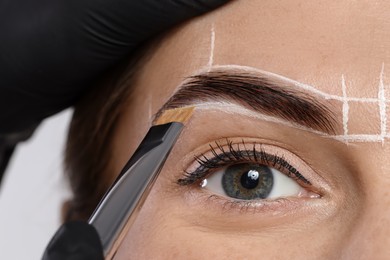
{"type": "Point", "coordinates": [314, 42]}
{"type": "Point", "coordinates": [318, 43]}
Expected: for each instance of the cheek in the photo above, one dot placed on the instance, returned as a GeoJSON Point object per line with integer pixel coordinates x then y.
{"type": "Point", "coordinates": [163, 230]}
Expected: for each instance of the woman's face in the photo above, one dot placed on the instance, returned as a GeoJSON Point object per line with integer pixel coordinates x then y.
{"type": "Point", "coordinates": [291, 133]}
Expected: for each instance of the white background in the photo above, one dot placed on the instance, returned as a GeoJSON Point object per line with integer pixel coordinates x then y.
{"type": "Point", "coordinates": [32, 191]}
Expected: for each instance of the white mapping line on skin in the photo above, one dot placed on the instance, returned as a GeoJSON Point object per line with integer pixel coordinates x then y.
{"type": "Point", "coordinates": [150, 109]}
{"type": "Point", "coordinates": [345, 138]}
{"type": "Point", "coordinates": [212, 46]}
{"type": "Point", "coordinates": [382, 105]}
{"type": "Point", "coordinates": [297, 84]}
{"type": "Point", "coordinates": [345, 106]}
{"type": "Point", "coordinates": [235, 109]}
{"type": "Point", "coordinates": [381, 100]}
{"type": "Point", "coordinates": [150, 114]}
{"type": "Point", "coordinates": [363, 138]}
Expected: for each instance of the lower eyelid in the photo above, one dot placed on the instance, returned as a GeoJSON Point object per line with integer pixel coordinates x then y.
{"type": "Point", "coordinates": [280, 205]}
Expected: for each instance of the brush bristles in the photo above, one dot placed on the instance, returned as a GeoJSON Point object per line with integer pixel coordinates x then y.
{"type": "Point", "coordinates": [175, 115]}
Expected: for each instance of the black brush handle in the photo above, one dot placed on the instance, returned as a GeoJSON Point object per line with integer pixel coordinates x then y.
{"type": "Point", "coordinates": [119, 207]}
{"type": "Point", "coordinates": [121, 204]}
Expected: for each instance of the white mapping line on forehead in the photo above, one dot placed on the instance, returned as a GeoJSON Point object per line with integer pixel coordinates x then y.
{"type": "Point", "coordinates": [212, 46]}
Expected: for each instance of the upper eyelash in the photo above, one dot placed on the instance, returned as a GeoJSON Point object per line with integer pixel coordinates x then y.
{"type": "Point", "coordinates": [233, 155]}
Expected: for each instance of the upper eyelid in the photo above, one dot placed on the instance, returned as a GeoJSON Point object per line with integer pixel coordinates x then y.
{"type": "Point", "coordinates": [192, 177]}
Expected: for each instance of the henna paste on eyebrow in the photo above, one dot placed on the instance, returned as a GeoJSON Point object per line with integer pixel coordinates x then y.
{"type": "Point", "coordinates": [259, 93]}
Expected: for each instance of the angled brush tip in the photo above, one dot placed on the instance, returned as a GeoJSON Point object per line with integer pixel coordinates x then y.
{"type": "Point", "coordinates": [182, 115]}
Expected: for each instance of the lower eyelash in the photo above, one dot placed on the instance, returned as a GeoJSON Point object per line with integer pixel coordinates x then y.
{"type": "Point", "coordinates": [245, 206]}
{"type": "Point", "coordinates": [222, 157]}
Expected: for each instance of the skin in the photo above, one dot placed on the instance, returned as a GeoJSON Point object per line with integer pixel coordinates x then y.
{"type": "Point", "coordinates": [314, 42]}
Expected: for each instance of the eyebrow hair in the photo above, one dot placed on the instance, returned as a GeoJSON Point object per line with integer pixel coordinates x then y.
{"type": "Point", "coordinates": [260, 93]}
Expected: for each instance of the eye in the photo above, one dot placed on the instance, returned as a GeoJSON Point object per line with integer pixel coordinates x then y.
{"type": "Point", "coordinates": [249, 181]}
{"type": "Point", "coordinates": [261, 172]}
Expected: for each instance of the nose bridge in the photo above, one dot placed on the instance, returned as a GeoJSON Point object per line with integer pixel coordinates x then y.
{"type": "Point", "coordinates": [370, 238]}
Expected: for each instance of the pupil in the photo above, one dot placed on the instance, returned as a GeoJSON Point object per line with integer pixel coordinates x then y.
{"type": "Point", "coordinates": [250, 179]}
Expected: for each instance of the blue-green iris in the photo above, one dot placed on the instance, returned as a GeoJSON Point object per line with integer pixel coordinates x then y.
{"type": "Point", "coordinates": [247, 181]}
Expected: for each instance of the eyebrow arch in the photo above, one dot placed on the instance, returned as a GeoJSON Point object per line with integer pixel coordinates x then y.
{"type": "Point", "coordinates": [260, 93]}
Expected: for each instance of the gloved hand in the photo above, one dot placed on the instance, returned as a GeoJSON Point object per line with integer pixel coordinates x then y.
{"type": "Point", "coordinates": [50, 53]}
{"type": "Point", "coordinates": [75, 240]}
{"type": "Point", "coordinates": [51, 50]}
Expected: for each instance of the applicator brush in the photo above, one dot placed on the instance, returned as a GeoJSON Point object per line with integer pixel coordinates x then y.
{"type": "Point", "coordinates": [118, 209]}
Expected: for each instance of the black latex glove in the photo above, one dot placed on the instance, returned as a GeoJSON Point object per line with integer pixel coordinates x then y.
{"type": "Point", "coordinates": [75, 240]}
{"type": "Point", "coordinates": [50, 53]}
{"type": "Point", "coordinates": [51, 50]}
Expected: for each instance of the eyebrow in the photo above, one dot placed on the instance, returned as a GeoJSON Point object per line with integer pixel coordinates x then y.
{"type": "Point", "coordinates": [261, 93]}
